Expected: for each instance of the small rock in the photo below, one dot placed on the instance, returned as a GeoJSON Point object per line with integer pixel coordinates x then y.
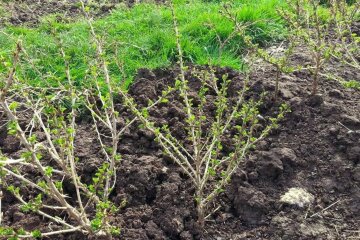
{"type": "Point", "coordinates": [335, 93]}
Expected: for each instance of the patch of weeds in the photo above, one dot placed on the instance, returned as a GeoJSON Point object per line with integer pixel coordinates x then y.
{"type": "Point", "coordinates": [352, 84]}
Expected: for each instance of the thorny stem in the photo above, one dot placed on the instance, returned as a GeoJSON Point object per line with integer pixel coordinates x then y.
{"type": "Point", "coordinates": [112, 116]}
{"type": "Point", "coordinates": [52, 233]}
{"type": "Point", "coordinates": [71, 154]}
{"type": "Point", "coordinates": [51, 149]}
{"type": "Point", "coordinates": [191, 118]}
{"type": "Point", "coordinates": [57, 195]}
{"type": "Point", "coordinates": [318, 49]}
{"type": "Point", "coordinates": [184, 89]}
{"type": "Point", "coordinates": [53, 191]}
{"type": "Point", "coordinates": [57, 220]}
{"type": "Point", "coordinates": [22, 178]}
{"type": "Point", "coordinates": [11, 74]}
{"type": "Point", "coordinates": [3, 92]}
{"type": "Point", "coordinates": [277, 83]}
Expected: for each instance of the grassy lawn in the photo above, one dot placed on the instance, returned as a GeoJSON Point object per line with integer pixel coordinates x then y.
{"type": "Point", "coordinates": [142, 37]}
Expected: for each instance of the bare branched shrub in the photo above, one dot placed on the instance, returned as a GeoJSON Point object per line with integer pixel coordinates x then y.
{"type": "Point", "coordinates": [52, 157]}
{"type": "Point", "coordinates": [347, 42]}
{"type": "Point", "coordinates": [46, 123]}
{"type": "Point", "coordinates": [305, 22]}
{"type": "Point", "coordinates": [200, 155]}
{"type": "Point", "coordinates": [280, 61]}
{"type": "Point", "coordinates": [325, 30]}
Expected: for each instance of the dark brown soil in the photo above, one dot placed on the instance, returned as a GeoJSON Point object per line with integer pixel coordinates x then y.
{"type": "Point", "coordinates": [317, 147]}
{"type": "Point", "coordinates": [30, 12]}
{"type": "Point", "coordinates": [311, 149]}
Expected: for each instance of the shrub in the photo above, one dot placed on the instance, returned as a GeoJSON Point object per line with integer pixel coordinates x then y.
{"type": "Point", "coordinates": [53, 113]}
{"type": "Point", "coordinates": [326, 31]}
{"type": "Point", "coordinates": [204, 162]}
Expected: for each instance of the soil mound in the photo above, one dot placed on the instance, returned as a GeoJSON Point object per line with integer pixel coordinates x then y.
{"type": "Point", "coordinates": [316, 148]}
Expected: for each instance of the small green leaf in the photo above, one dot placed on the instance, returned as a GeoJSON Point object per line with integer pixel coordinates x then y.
{"type": "Point", "coordinates": [36, 234]}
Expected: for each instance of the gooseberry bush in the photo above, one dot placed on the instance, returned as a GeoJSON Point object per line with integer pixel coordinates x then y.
{"type": "Point", "coordinates": [203, 160]}
{"type": "Point", "coordinates": [44, 120]}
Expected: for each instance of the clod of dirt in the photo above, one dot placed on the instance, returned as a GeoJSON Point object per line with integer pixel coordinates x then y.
{"type": "Point", "coordinates": [286, 155]}
{"type": "Point", "coordinates": [311, 230]}
{"type": "Point", "coordinates": [335, 93]}
{"type": "Point", "coordinates": [286, 94]}
{"type": "Point", "coordinates": [356, 173]}
{"type": "Point", "coordinates": [135, 234]}
{"type": "Point", "coordinates": [315, 100]}
{"type": "Point", "coordinates": [269, 165]}
{"type": "Point", "coordinates": [351, 122]}
{"type": "Point", "coordinates": [9, 144]}
{"type": "Point", "coordinates": [251, 205]}
{"type": "Point", "coordinates": [297, 196]}
{"type": "Point", "coordinates": [29, 223]}
{"type": "Point", "coordinates": [328, 109]}
{"type": "Point", "coordinates": [153, 231]}
{"type": "Point", "coordinates": [353, 154]}
{"type": "Point", "coordinates": [186, 235]}
{"type": "Point", "coordinates": [139, 178]}
{"type": "Point", "coordinates": [18, 216]}
{"type": "Point", "coordinates": [173, 226]}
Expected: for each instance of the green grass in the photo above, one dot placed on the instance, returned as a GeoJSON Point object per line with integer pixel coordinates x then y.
{"type": "Point", "coordinates": [144, 38]}
{"type": "Point", "coordinates": [352, 84]}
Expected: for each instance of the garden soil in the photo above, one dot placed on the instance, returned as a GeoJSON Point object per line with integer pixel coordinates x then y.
{"type": "Point", "coordinates": [316, 147]}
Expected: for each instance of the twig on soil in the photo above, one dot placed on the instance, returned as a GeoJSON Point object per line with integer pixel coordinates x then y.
{"type": "Point", "coordinates": [52, 233]}
{"type": "Point", "coordinates": [328, 207]}
{"type": "Point", "coordinates": [349, 130]}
